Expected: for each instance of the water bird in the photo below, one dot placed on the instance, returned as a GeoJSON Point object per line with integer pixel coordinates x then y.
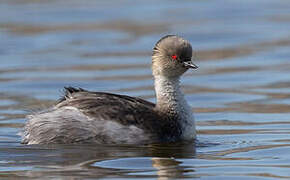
{"type": "Point", "coordinates": [86, 117]}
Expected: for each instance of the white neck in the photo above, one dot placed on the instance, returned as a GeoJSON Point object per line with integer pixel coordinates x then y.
{"type": "Point", "coordinates": [170, 99]}
{"type": "Point", "coordinates": [168, 93]}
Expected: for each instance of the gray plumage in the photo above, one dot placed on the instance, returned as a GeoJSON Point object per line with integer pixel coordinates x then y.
{"type": "Point", "coordinates": [82, 116]}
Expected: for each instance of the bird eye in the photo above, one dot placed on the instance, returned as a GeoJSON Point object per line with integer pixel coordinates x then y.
{"type": "Point", "coordinates": [174, 57]}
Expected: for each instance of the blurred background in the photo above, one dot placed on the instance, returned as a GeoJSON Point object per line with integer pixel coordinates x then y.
{"type": "Point", "coordinates": [240, 94]}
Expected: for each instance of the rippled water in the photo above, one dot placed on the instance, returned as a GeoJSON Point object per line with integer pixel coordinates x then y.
{"type": "Point", "coordinates": [240, 94]}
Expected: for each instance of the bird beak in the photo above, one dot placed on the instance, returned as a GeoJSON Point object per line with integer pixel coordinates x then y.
{"type": "Point", "coordinates": [189, 64]}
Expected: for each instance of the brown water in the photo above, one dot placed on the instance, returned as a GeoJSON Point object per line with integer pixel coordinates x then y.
{"type": "Point", "coordinates": [240, 94]}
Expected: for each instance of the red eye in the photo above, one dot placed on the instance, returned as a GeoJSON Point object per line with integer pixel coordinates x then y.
{"type": "Point", "coordinates": [174, 57]}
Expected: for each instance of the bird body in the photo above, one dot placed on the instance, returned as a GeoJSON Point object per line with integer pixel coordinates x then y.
{"type": "Point", "coordinates": [85, 117]}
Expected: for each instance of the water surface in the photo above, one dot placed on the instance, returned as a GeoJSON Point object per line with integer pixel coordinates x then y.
{"type": "Point", "coordinates": [240, 94]}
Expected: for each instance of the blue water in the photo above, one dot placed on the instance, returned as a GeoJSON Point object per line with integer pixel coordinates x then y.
{"type": "Point", "coordinates": [240, 94]}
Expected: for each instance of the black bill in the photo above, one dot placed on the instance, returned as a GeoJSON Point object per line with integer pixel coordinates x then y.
{"type": "Point", "coordinates": [189, 64]}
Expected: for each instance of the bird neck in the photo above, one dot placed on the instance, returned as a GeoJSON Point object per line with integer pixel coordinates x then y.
{"type": "Point", "coordinates": [170, 98]}
{"type": "Point", "coordinates": [173, 106]}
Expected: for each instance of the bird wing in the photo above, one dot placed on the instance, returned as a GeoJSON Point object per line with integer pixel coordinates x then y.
{"type": "Point", "coordinates": [107, 106]}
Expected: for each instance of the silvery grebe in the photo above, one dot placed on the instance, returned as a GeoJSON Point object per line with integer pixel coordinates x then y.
{"type": "Point", "coordinates": [85, 117]}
